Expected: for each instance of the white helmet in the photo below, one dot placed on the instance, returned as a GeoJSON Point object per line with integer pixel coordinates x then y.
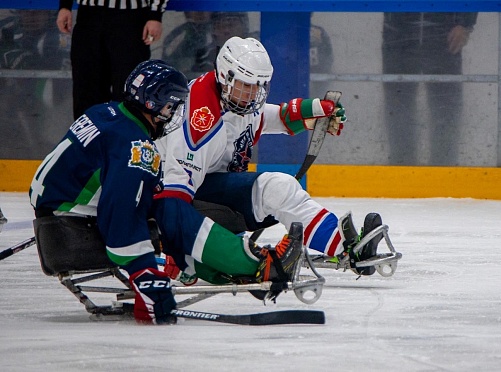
{"type": "Point", "coordinates": [244, 60]}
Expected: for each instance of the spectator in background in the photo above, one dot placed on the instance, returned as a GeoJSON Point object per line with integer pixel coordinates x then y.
{"type": "Point", "coordinates": [224, 25]}
{"type": "Point", "coordinates": [187, 41]}
{"type": "Point", "coordinates": [193, 45]}
{"type": "Point", "coordinates": [109, 39]}
{"type": "Point", "coordinates": [31, 41]}
{"type": "Point", "coordinates": [424, 43]}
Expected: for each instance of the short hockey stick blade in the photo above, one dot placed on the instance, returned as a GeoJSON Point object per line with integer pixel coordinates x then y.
{"type": "Point", "coordinates": [17, 248]}
{"type": "Point", "coordinates": [268, 318]}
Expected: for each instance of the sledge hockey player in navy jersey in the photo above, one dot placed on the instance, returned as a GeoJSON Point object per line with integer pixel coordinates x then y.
{"type": "Point", "coordinates": [226, 113]}
{"type": "Point", "coordinates": [106, 171]}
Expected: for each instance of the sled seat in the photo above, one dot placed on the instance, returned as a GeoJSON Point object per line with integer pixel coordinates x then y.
{"type": "Point", "coordinates": [224, 216]}
{"type": "Point", "coordinates": [73, 249]}
{"type": "Point", "coordinates": [70, 244]}
{"type": "Point", "coordinates": [230, 219]}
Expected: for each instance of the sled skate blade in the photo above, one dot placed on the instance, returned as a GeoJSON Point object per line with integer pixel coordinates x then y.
{"type": "Point", "coordinates": [307, 288]}
{"type": "Point", "coordinates": [385, 264]}
{"type": "Point", "coordinates": [388, 269]}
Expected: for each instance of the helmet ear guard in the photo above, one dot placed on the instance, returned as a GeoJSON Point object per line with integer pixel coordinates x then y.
{"type": "Point", "coordinates": [154, 86]}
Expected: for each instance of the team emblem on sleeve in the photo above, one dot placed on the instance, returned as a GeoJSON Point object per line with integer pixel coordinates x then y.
{"type": "Point", "coordinates": [144, 155]}
{"type": "Point", "coordinates": [202, 119]}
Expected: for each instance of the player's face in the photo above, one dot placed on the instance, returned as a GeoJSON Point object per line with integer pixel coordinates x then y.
{"type": "Point", "coordinates": [243, 94]}
{"type": "Point", "coordinates": [167, 110]}
{"type": "Point", "coordinates": [170, 118]}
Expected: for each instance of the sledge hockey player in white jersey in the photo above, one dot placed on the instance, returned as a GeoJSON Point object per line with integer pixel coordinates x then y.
{"type": "Point", "coordinates": [104, 178]}
{"type": "Point", "coordinates": [226, 113]}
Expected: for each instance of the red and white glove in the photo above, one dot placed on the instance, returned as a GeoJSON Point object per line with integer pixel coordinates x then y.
{"type": "Point", "coordinates": [301, 114]}
{"type": "Point", "coordinates": [154, 300]}
{"type": "Point", "coordinates": [175, 272]}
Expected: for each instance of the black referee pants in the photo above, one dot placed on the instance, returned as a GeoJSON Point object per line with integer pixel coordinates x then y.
{"type": "Point", "coordinates": [106, 46]}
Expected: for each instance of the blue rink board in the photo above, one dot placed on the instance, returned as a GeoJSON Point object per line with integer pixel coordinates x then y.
{"type": "Point", "coordinates": [299, 5]}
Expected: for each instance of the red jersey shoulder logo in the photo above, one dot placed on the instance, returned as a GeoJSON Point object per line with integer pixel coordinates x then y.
{"type": "Point", "coordinates": [204, 112]}
{"type": "Point", "coordinates": [202, 119]}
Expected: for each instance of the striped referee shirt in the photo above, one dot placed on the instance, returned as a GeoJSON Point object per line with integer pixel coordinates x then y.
{"type": "Point", "coordinates": [157, 7]}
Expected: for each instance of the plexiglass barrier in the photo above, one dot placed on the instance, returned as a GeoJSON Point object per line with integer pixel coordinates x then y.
{"type": "Point", "coordinates": [418, 89]}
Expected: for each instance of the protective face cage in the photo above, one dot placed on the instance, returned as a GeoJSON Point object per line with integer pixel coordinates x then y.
{"type": "Point", "coordinates": [245, 98]}
{"type": "Point", "coordinates": [169, 119]}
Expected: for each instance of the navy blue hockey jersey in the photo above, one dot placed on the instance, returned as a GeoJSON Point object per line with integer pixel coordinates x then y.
{"type": "Point", "coordinates": [106, 166]}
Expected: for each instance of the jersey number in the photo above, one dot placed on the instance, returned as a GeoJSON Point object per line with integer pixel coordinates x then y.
{"type": "Point", "coordinates": [37, 186]}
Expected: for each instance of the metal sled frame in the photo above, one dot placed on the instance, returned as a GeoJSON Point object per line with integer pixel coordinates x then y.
{"type": "Point", "coordinates": [307, 289]}
{"type": "Point", "coordinates": [72, 249]}
{"type": "Point", "coordinates": [385, 263]}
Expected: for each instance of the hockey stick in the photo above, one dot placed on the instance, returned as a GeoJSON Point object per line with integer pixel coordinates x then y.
{"type": "Point", "coordinates": [17, 248]}
{"type": "Point", "coordinates": [269, 318]}
{"type": "Point", "coordinates": [316, 141]}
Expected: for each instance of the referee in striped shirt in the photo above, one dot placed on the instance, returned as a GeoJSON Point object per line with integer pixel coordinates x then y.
{"type": "Point", "coordinates": [110, 38]}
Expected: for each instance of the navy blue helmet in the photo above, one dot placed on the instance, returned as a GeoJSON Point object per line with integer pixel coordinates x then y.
{"type": "Point", "coordinates": [158, 89]}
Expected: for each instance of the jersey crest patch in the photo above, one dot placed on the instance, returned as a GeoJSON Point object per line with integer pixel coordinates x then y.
{"type": "Point", "coordinates": [145, 156]}
{"type": "Point", "coordinates": [202, 119]}
{"type": "Point", "coordinates": [242, 153]}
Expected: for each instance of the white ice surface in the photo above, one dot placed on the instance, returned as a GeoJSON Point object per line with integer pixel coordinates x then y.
{"type": "Point", "coordinates": [441, 311]}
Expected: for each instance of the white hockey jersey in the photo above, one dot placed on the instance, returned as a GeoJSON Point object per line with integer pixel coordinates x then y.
{"type": "Point", "coordinates": [212, 140]}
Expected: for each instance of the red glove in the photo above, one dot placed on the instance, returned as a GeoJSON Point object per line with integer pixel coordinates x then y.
{"type": "Point", "coordinates": [154, 300]}
{"type": "Point", "coordinates": [171, 268]}
{"type": "Point", "coordinates": [175, 272]}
